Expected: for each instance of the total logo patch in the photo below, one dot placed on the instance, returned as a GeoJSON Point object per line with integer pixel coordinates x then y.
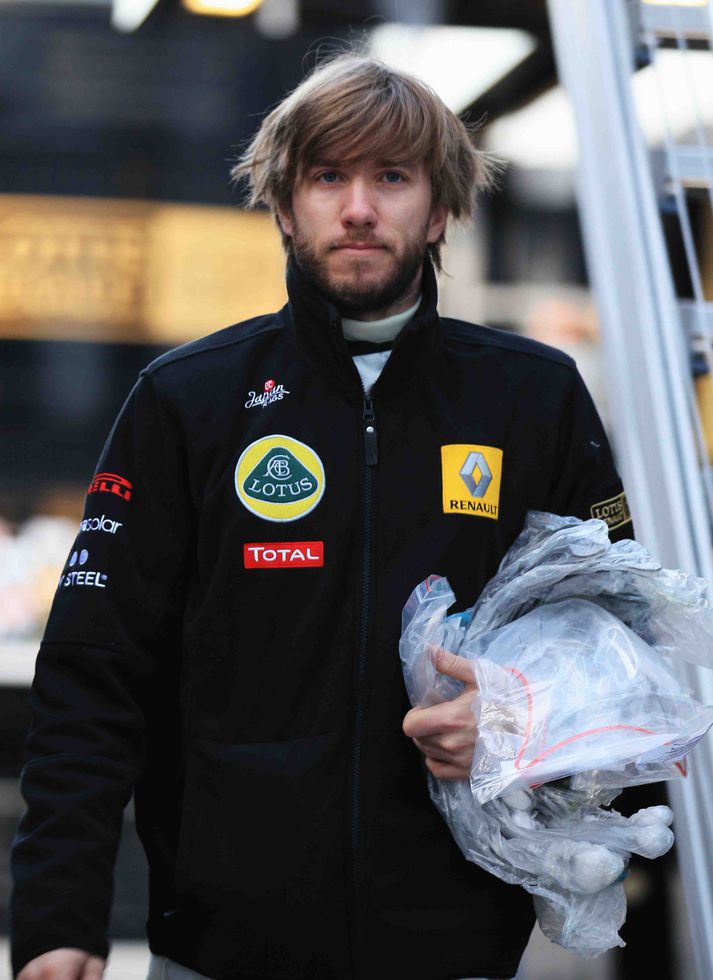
{"type": "Point", "coordinates": [284, 554]}
{"type": "Point", "coordinates": [471, 478]}
{"type": "Point", "coordinates": [279, 478]}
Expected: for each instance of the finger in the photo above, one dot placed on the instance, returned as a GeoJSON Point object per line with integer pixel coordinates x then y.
{"type": "Point", "coordinates": [432, 751]}
{"type": "Point", "coordinates": [455, 754]}
{"type": "Point", "coordinates": [456, 747]}
{"type": "Point", "coordinates": [445, 770]}
{"type": "Point", "coordinates": [421, 722]}
{"type": "Point", "coordinates": [453, 666]}
{"type": "Point", "coordinates": [441, 719]}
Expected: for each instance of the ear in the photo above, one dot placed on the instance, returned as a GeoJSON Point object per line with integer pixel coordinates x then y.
{"type": "Point", "coordinates": [285, 218]}
{"type": "Point", "coordinates": [437, 223]}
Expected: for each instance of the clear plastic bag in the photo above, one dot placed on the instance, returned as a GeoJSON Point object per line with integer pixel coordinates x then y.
{"type": "Point", "coordinates": [568, 688]}
{"type": "Point", "coordinates": [571, 643]}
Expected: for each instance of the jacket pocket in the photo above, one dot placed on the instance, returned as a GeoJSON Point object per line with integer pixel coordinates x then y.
{"type": "Point", "coordinates": [260, 853]}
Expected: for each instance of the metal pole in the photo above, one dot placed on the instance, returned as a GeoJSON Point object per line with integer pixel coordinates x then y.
{"type": "Point", "coordinates": [648, 366]}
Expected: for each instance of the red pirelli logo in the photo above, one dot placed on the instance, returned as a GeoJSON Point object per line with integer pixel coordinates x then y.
{"type": "Point", "coordinates": [284, 554]}
{"type": "Point", "coordinates": [111, 483]}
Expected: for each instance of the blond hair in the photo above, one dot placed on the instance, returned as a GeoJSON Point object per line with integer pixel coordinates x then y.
{"type": "Point", "coordinates": [353, 107]}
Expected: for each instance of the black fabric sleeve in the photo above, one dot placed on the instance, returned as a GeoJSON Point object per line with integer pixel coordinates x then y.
{"type": "Point", "coordinates": [586, 483]}
{"type": "Point", "coordinates": [85, 747]}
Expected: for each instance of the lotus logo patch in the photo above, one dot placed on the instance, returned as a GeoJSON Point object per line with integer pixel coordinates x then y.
{"type": "Point", "coordinates": [615, 511]}
{"type": "Point", "coordinates": [279, 478]}
{"type": "Point", "coordinates": [471, 478]}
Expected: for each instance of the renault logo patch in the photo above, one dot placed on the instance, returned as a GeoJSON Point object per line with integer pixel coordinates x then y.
{"type": "Point", "coordinates": [471, 480]}
{"type": "Point", "coordinates": [279, 478]}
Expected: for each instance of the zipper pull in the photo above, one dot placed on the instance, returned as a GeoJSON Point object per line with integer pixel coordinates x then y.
{"type": "Point", "coordinates": [371, 449]}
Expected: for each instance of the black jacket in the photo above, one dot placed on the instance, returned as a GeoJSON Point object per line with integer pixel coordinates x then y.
{"type": "Point", "coordinates": [224, 643]}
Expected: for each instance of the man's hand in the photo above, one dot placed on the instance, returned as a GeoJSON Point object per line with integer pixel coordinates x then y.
{"type": "Point", "coordinates": [63, 964]}
{"type": "Point", "coordinates": [446, 732]}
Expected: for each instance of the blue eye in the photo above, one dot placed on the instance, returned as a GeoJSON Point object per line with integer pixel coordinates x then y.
{"type": "Point", "coordinates": [329, 177]}
{"type": "Point", "coordinates": [393, 177]}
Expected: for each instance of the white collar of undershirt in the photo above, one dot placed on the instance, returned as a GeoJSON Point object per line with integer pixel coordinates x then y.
{"type": "Point", "coordinates": [378, 331]}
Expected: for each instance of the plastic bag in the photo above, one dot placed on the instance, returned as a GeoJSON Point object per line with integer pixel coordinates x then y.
{"type": "Point", "coordinates": [568, 688]}
{"type": "Point", "coordinates": [571, 643]}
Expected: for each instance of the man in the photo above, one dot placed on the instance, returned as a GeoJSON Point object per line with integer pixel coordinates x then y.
{"type": "Point", "coordinates": [230, 652]}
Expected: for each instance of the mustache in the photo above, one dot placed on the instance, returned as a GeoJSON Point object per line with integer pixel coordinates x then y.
{"type": "Point", "coordinates": [361, 240]}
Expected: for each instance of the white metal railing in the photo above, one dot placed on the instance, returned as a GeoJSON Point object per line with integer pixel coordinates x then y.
{"type": "Point", "coordinates": [648, 332]}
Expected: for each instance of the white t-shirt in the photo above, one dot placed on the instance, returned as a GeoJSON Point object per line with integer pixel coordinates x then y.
{"type": "Point", "coordinates": [383, 331]}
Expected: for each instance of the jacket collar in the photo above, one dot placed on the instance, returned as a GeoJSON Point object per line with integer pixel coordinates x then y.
{"type": "Point", "coordinates": [317, 327]}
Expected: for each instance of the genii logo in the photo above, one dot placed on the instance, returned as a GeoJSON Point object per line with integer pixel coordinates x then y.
{"type": "Point", "coordinates": [471, 478]}
{"type": "Point", "coordinates": [279, 478]}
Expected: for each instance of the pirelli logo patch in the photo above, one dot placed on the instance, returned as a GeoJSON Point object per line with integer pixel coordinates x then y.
{"type": "Point", "coordinates": [471, 478]}
{"type": "Point", "coordinates": [614, 511]}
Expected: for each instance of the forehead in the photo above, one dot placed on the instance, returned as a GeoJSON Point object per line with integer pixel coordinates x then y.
{"type": "Point", "coordinates": [365, 141]}
{"type": "Point", "coordinates": [366, 163]}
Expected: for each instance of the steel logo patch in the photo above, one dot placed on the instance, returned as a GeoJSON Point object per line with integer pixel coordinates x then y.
{"type": "Point", "coordinates": [279, 478]}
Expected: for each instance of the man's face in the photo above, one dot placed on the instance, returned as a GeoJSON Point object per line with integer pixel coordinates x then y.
{"type": "Point", "coordinates": [360, 231]}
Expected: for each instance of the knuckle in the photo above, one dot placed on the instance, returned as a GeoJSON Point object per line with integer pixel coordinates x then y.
{"type": "Point", "coordinates": [449, 743]}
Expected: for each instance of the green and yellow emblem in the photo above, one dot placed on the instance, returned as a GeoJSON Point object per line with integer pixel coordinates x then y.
{"type": "Point", "coordinates": [279, 478]}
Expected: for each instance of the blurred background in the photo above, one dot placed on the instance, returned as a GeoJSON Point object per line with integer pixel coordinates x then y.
{"type": "Point", "coordinates": [121, 236]}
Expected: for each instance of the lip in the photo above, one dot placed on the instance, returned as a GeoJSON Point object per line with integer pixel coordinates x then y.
{"type": "Point", "coordinates": [360, 248]}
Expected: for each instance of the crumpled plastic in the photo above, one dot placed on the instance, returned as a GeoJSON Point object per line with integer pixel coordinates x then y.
{"type": "Point", "coordinates": [572, 643]}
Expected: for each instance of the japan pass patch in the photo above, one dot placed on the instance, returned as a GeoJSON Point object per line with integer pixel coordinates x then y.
{"type": "Point", "coordinates": [471, 480]}
{"type": "Point", "coordinates": [279, 478]}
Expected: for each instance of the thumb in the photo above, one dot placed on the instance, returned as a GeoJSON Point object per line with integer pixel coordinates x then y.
{"type": "Point", "coordinates": [454, 666]}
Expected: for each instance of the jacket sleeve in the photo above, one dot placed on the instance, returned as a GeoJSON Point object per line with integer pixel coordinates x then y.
{"type": "Point", "coordinates": [85, 746]}
{"type": "Point", "coordinates": [586, 483]}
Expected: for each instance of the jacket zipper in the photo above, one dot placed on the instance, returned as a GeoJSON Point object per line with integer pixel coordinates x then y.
{"type": "Point", "coordinates": [371, 458]}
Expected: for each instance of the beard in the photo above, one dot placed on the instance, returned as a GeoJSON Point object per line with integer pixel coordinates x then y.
{"type": "Point", "coordinates": [361, 290]}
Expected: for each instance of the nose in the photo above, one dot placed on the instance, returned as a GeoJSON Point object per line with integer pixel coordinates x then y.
{"type": "Point", "coordinates": [358, 210]}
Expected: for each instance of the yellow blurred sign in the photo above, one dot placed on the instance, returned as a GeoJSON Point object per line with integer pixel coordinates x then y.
{"type": "Point", "coordinates": [97, 269]}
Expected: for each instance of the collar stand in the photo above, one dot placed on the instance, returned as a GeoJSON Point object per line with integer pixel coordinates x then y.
{"type": "Point", "coordinates": [317, 326]}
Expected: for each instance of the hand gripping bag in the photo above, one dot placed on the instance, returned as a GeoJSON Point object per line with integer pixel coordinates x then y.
{"type": "Point", "coordinates": [572, 643]}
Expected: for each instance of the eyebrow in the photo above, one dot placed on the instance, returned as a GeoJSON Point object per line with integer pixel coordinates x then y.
{"type": "Point", "coordinates": [377, 163]}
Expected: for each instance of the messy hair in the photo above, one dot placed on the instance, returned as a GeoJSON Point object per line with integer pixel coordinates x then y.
{"type": "Point", "coordinates": [353, 107]}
